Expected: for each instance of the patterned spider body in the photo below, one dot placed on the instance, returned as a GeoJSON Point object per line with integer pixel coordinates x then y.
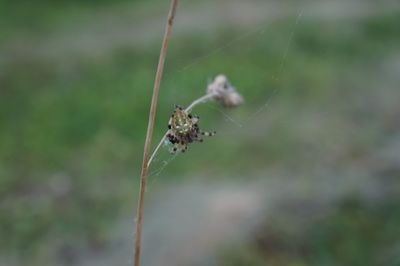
{"type": "Point", "coordinates": [181, 123]}
{"type": "Point", "coordinates": [183, 129]}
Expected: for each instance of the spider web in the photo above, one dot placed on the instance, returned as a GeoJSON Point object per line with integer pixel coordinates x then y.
{"type": "Point", "coordinates": [161, 161]}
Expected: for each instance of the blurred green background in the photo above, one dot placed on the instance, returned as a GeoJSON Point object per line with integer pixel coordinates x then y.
{"type": "Point", "coordinates": [306, 172]}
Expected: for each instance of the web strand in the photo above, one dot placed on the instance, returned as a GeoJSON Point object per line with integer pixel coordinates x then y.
{"type": "Point", "coordinates": [261, 29]}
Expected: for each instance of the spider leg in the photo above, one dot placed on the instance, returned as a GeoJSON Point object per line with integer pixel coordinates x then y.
{"type": "Point", "coordinates": [178, 107]}
{"type": "Point", "coordinates": [209, 134]}
{"type": "Point", "coordinates": [171, 138]}
{"type": "Point", "coordinates": [174, 149]}
{"type": "Point", "coordinates": [184, 148]}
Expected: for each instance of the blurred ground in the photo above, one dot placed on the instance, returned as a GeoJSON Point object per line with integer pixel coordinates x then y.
{"type": "Point", "coordinates": [305, 173]}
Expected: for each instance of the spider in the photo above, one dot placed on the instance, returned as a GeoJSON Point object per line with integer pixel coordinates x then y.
{"type": "Point", "coordinates": [183, 129]}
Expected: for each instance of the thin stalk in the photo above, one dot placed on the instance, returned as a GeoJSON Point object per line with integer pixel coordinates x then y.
{"type": "Point", "coordinates": [200, 100]}
{"type": "Point", "coordinates": [147, 144]}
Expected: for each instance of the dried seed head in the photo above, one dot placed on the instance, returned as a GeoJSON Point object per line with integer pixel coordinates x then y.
{"type": "Point", "coordinates": [224, 92]}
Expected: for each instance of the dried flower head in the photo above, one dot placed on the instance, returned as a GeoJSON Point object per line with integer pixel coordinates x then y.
{"type": "Point", "coordinates": [224, 92]}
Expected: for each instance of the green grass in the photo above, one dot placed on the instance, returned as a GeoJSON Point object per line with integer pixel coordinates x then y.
{"type": "Point", "coordinates": [353, 234]}
{"type": "Point", "coordinates": [87, 123]}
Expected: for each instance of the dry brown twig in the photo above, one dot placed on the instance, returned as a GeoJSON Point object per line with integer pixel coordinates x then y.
{"type": "Point", "coordinates": [220, 90]}
{"type": "Point", "coordinates": [149, 134]}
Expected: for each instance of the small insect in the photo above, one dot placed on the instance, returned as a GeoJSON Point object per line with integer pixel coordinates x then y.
{"type": "Point", "coordinates": [183, 129]}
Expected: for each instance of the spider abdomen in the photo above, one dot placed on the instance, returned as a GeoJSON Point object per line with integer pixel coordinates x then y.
{"type": "Point", "coordinates": [181, 123]}
{"type": "Point", "coordinates": [183, 130]}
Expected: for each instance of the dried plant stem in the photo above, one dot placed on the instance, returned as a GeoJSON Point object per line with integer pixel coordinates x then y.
{"type": "Point", "coordinates": [147, 144]}
{"type": "Point", "coordinates": [200, 100]}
